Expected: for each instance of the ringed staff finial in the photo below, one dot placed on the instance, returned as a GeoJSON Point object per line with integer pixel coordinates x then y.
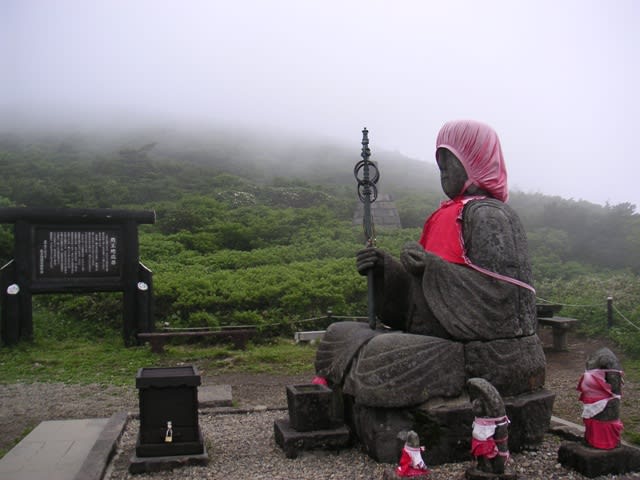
{"type": "Point", "coordinates": [367, 176]}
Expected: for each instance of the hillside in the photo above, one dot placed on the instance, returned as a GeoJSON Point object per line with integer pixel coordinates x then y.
{"type": "Point", "coordinates": [253, 229]}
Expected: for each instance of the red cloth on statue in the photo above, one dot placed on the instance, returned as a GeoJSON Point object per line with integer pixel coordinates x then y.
{"type": "Point", "coordinates": [406, 466]}
{"type": "Point", "coordinates": [484, 448]}
{"type": "Point", "coordinates": [442, 232]}
{"type": "Point", "coordinates": [477, 146]}
{"type": "Point", "coordinates": [317, 380]}
{"type": "Point", "coordinates": [442, 236]}
{"type": "Point", "coordinates": [483, 443]}
{"type": "Point", "coordinates": [593, 386]}
{"type": "Point", "coordinates": [603, 435]}
{"type": "Point", "coordinates": [595, 393]}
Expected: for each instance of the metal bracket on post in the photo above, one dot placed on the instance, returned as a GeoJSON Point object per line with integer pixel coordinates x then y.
{"type": "Point", "coordinates": [10, 319]}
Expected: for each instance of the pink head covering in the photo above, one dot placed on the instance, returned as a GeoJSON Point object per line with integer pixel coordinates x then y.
{"type": "Point", "coordinates": [477, 146]}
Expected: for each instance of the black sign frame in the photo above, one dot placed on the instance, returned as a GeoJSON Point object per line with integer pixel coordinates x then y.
{"type": "Point", "coordinates": [77, 241]}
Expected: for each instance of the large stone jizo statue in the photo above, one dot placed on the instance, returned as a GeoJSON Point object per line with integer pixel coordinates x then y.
{"type": "Point", "coordinates": [457, 304]}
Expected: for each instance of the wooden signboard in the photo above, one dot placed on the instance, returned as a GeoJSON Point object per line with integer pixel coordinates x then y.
{"type": "Point", "coordinates": [74, 250]}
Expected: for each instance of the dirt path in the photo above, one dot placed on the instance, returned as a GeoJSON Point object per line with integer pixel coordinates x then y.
{"type": "Point", "coordinates": [24, 406]}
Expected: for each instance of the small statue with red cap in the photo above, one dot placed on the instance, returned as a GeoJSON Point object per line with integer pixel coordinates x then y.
{"type": "Point", "coordinates": [411, 463]}
{"type": "Point", "coordinates": [490, 431]}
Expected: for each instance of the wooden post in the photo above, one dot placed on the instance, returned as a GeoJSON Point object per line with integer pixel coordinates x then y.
{"type": "Point", "coordinates": [130, 276]}
{"type": "Point", "coordinates": [10, 320]}
{"type": "Point", "coordinates": [144, 300]}
{"type": "Point", "coordinates": [24, 269]}
{"type": "Point", "coordinates": [609, 311]}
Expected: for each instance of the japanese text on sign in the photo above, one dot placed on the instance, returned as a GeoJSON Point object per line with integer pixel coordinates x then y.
{"type": "Point", "coordinates": [77, 253]}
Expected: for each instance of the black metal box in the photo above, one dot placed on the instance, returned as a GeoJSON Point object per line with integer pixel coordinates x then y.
{"type": "Point", "coordinates": [168, 394]}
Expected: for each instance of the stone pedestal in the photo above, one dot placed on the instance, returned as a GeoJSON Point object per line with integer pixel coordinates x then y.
{"type": "Point", "coordinates": [475, 474]}
{"type": "Point", "coordinates": [160, 464]}
{"type": "Point", "coordinates": [314, 421]}
{"type": "Point", "coordinates": [293, 441]}
{"type": "Point", "coordinates": [309, 407]}
{"type": "Point", "coordinates": [445, 427]}
{"type": "Point", "coordinates": [592, 462]}
{"type": "Point", "coordinates": [390, 474]}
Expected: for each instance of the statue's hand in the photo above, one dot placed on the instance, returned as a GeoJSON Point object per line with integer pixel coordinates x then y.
{"type": "Point", "coordinates": [413, 258]}
{"type": "Point", "coordinates": [368, 258]}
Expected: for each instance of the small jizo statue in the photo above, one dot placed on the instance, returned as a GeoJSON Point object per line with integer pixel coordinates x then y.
{"type": "Point", "coordinates": [411, 463]}
{"type": "Point", "coordinates": [489, 442]}
{"type": "Point", "coordinates": [600, 388]}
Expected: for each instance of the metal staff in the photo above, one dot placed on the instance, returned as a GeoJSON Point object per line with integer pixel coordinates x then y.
{"type": "Point", "coordinates": [368, 193]}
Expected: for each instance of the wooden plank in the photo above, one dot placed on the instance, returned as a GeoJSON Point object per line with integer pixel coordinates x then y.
{"type": "Point", "coordinates": [239, 337]}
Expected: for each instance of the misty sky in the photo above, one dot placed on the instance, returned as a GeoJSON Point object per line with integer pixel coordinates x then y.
{"type": "Point", "coordinates": [557, 79]}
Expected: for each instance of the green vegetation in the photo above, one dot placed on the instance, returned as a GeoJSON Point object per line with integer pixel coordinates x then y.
{"type": "Point", "coordinates": [110, 362]}
{"type": "Point", "coordinates": [63, 351]}
{"type": "Point", "coordinates": [260, 234]}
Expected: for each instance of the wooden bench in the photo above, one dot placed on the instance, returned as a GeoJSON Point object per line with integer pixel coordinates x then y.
{"type": "Point", "coordinates": [238, 336]}
{"type": "Point", "coordinates": [561, 326]}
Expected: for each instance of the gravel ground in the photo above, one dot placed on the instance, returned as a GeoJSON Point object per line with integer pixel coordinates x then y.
{"type": "Point", "coordinates": [242, 445]}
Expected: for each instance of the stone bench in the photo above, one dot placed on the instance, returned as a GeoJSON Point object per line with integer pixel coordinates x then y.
{"type": "Point", "coordinates": [308, 336]}
{"type": "Point", "coordinates": [561, 326]}
{"type": "Point", "coordinates": [237, 336]}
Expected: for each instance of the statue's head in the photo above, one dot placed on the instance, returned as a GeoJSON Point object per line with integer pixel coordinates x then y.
{"type": "Point", "coordinates": [603, 358]}
{"type": "Point", "coordinates": [412, 439]}
{"type": "Point", "coordinates": [470, 160]}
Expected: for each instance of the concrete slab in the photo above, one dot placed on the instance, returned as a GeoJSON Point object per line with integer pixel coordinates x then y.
{"type": "Point", "coordinates": [211, 396]}
{"type": "Point", "coordinates": [103, 449]}
{"type": "Point", "coordinates": [64, 450]}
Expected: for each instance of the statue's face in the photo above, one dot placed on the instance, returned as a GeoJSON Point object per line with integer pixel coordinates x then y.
{"type": "Point", "coordinates": [452, 173]}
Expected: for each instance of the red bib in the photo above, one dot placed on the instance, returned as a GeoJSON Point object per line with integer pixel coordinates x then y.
{"type": "Point", "coordinates": [442, 232]}
{"type": "Point", "coordinates": [442, 236]}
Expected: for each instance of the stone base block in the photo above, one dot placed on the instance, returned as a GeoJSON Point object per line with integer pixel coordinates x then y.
{"type": "Point", "coordinates": [292, 441]}
{"type": "Point", "coordinates": [444, 427]}
{"type": "Point", "coordinates": [592, 462]}
{"type": "Point", "coordinates": [475, 474]}
{"type": "Point", "coordinates": [390, 474]}
{"type": "Point", "coordinates": [530, 417]}
{"type": "Point", "coordinates": [159, 464]}
{"type": "Point", "coordinates": [212, 396]}
{"type": "Point", "coordinates": [309, 407]}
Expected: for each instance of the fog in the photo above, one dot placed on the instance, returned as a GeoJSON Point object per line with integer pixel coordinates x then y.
{"type": "Point", "coordinates": [557, 79]}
